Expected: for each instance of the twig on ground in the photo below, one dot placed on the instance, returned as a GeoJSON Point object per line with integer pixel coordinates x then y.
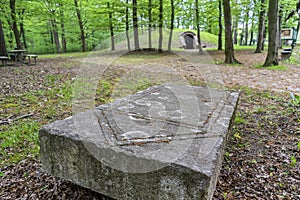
{"type": "Point", "coordinates": [8, 120]}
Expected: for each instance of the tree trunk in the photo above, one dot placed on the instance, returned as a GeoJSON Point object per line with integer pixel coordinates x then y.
{"type": "Point", "coordinates": [14, 25]}
{"type": "Point", "coordinates": [150, 23]}
{"type": "Point", "coordinates": [111, 27]}
{"type": "Point", "coordinates": [55, 36]}
{"type": "Point", "coordinates": [235, 31]}
{"type": "Point", "coordinates": [160, 26]}
{"type": "Point", "coordinates": [62, 25]}
{"type": "Point", "coordinates": [198, 27]}
{"type": "Point", "coordinates": [81, 27]}
{"type": "Point", "coordinates": [3, 50]}
{"type": "Point", "coordinates": [279, 43]}
{"type": "Point", "coordinates": [264, 38]}
{"type": "Point", "coordinates": [251, 36]}
{"type": "Point", "coordinates": [178, 23]}
{"type": "Point", "coordinates": [272, 57]}
{"type": "Point", "coordinates": [261, 27]}
{"type": "Point", "coordinates": [229, 51]}
{"type": "Point", "coordinates": [172, 25]}
{"type": "Point", "coordinates": [220, 41]}
{"type": "Point", "coordinates": [22, 30]}
{"type": "Point", "coordinates": [10, 38]}
{"type": "Point", "coordinates": [246, 28]}
{"type": "Point", "coordinates": [252, 26]}
{"type": "Point", "coordinates": [135, 25]}
{"type": "Point", "coordinates": [127, 25]}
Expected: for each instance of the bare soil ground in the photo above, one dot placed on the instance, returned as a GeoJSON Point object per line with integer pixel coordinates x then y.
{"type": "Point", "coordinates": [261, 160]}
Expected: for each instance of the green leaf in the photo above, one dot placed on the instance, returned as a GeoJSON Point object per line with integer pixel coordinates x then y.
{"type": "Point", "coordinates": [293, 161]}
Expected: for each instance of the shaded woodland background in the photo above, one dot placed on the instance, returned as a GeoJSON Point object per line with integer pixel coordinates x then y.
{"type": "Point", "coordinates": [58, 26]}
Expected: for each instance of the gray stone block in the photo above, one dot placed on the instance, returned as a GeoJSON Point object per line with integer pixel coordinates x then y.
{"type": "Point", "coordinates": [165, 142]}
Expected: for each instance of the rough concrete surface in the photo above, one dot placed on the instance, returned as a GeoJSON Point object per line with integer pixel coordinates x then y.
{"type": "Point", "coordinates": [165, 142]}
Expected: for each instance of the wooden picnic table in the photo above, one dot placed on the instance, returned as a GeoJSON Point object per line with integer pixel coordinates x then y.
{"type": "Point", "coordinates": [18, 55]}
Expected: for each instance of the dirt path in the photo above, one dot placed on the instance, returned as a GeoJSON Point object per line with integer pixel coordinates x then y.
{"type": "Point", "coordinates": [287, 80]}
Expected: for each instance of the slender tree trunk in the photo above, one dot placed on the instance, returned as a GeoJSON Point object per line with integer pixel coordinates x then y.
{"type": "Point", "coordinates": [178, 23]}
{"type": "Point", "coordinates": [111, 27]}
{"type": "Point", "coordinates": [81, 27]}
{"type": "Point", "coordinates": [242, 35]}
{"type": "Point", "coordinates": [252, 26]}
{"type": "Point", "coordinates": [235, 32]}
{"type": "Point", "coordinates": [51, 32]}
{"type": "Point", "coordinates": [251, 36]}
{"type": "Point", "coordinates": [3, 50]}
{"type": "Point", "coordinates": [62, 26]}
{"type": "Point", "coordinates": [135, 25]}
{"type": "Point", "coordinates": [272, 57]}
{"type": "Point", "coordinates": [160, 26]}
{"type": "Point", "coordinates": [246, 28]}
{"type": "Point", "coordinates": [14, 26]}
{"type": "Point", "coordinates": [264, 38]}
{"type": "Point", "coordinates": [261, 27]}
{"type": "Point", "coordinates": [10, 38]}
{"type": "Point", "coordinates": [150, 23]}
{"type": "Point", "coordinates": [229, 50]}
{"type": "Point", "coordinates": [220, 40]}
{"type": "Point", "coordinates": [172, 25]}
{"type": "Point", "coordinates": [198, 27]}
{"type": "Point", "coordinates": [279, 43]}
{"type": "Point", "coordinates": [22, 30]}
{"type": "Point", "coordinates": [55, 36]}
{"type": "Point", "coordinates": [127, 25]}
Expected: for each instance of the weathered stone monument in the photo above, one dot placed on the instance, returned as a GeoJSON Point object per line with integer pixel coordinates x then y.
{"type": "Point", "coordinates": [165, 142]}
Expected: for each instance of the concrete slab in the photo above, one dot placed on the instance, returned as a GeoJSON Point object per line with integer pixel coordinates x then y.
{"type": "Point", "coordinates": [165, 142]}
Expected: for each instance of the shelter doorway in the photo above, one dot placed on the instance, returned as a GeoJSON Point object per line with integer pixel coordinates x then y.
{"type": "Point", "coordinates": [189, 40]}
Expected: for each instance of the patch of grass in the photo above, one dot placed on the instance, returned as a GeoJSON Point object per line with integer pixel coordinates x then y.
{"type": "Point", "coordinates": [66, 55]}
{"type": "Point", "coordinates": [293, 162]}
{"type": "Point", "coordinates": [132, 86]}
{"type": "Point", "coordinates": [274, 67]}
{"type": "Point", "coordinates": [18, 141]}
{"type": "Point", "coordinates": [239, 119]}
{"type": "Point", "coordinates": [239, 47]}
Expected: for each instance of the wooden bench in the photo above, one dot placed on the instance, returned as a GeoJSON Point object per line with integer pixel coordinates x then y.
{"type": "Point", "coordinates": [4, 60]}
{"type": "Point", "coordinates": [29, 56]}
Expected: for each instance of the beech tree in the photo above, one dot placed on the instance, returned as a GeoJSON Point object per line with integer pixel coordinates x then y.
{"type": "Point", "coordinates": [135, 25]}
{"type": "Point", "coordinates": [261, 27]}
{"type": "Point", "coordinates": [62, 26]}
{"type": "Point", "coordinates": [13, 23]}
{"type": "Point", "coordinates": [229, 50]}
{"type": "Point", "coordinates": [149, 23]}
{"type": "Point", "coordinates": [220, 39]}
{"type": "Point", "coordinates": [81, 26]}
{"type": "Point", "coordinates": [272, 57]}
{"type": "Point", "coordinates": [172, 25]}
{"type": "Point", "coordinates": [111, 27]}
{"type": "Point", "coordinates": [3, 51]}
{"type": "Point", "coordinates": [160, 26]}
{"type": "Point", "coordinates": [127, 25]}
{"type": "Point", "coordinates": [198, 27]}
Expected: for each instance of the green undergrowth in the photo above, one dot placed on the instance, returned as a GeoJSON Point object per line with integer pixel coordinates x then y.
{"type": "Point", "coordinates": [19, 136]}
{"type": "Point", "coordinates": [266, 112]}
{"type": "Point", "coordinates": [18, 141]}
{"type": "Point", "coordinates": [274, 67]}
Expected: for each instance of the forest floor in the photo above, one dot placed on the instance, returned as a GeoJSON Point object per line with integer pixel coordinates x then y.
{"type": "Point", "coordinates": [262, 158]}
